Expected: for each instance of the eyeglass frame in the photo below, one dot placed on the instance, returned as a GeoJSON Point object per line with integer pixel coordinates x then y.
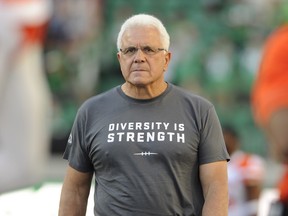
{"type": "Point", "coordinates": [142, 48]}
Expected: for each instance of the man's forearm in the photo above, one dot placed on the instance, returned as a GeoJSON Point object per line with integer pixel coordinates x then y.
{"type": "Point", "coordinates": [72, 204]}
{"type": "Point", "coordinates": [75, 193]}
{"type": "Point", "coordinates": [215, 205]}
{"type": "Point", "coordinates": [215, 189]}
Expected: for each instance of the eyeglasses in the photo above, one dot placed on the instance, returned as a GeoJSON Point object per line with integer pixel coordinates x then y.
{"type": "Point", "coordinates": [130, 51]}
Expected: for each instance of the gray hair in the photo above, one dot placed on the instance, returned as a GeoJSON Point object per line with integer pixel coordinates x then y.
{"type": "Point", "coordinates": [144, 20]}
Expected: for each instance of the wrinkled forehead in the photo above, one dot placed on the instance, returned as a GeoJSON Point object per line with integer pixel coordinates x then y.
{"type": "Point", "coordinates": [141, 36]}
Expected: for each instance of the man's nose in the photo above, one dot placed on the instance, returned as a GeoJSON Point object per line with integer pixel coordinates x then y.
{"type": "Point", "coordinates": [139, 56]}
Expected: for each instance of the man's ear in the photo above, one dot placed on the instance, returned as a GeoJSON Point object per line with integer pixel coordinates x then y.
{"type": "Point", "coordinates": [167, 60]}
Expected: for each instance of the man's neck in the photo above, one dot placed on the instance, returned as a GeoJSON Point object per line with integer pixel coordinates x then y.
{"type": "Point", "coordinates": [143, 92]}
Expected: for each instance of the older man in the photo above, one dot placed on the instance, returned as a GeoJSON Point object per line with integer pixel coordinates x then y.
{"type": "Point", "coordinates": [154, 148]}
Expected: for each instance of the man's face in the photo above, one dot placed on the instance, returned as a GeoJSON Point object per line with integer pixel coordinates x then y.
{"type": "Point", "coordinates": [141, 68]}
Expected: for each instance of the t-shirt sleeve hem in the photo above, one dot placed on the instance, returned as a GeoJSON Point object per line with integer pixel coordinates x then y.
{"type": "Point", "coordinates": [211, 160]}
{"type": "Point", "coordinates": [79, 168]}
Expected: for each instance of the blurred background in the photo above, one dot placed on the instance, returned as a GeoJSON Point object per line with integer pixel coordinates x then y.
{"type": "Point", "coordinates": [216, 47]}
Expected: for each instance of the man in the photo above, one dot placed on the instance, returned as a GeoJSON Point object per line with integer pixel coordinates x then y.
{"type": "Point", "coordinates": [270, 101]}
{"type": "Point", "coordinates": [245, 176]}
{"type": "Point", "coordinates": [154, 148]}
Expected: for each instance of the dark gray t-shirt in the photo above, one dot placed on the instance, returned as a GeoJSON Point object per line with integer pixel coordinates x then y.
{"type": "Point", "coordinates": [146, 153]}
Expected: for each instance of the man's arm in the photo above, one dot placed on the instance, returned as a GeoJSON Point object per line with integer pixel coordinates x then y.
{"type": "Point", "coordinates": [75, 192]}
{"type": "Point", "coordinates": [214, 181]}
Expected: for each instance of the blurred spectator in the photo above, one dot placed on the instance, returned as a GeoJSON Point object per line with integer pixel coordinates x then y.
{"type": "Point", "coordinates": [270, 100]}
{"type": "Point", "coordinates": [73, 50]}
{"type": "Point", "coordinates": [24, 93]}
{"type": "Point", "coordinates": [245, 176]}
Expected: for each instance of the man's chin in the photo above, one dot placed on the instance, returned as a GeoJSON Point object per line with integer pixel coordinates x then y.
{"type": "Point", "coordinates": [139, 82]}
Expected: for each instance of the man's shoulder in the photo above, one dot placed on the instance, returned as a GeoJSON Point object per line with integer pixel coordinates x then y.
{"type": "Point", "coordinates": [99, 100]}
{"type": "Point", "coordinates": [190, 95]}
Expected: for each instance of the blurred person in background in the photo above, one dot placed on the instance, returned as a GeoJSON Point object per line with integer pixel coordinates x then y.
{"type": "Point", "coordinates": [270, 103]}
{"type": "Point", "coordinates": [154, 148]}
{"type": "Point", "coordinates": [24, 93]}
{"type": "Point", "coordinates": [72, 61]}
{"type": "Point", "coordinates": [245, 176]}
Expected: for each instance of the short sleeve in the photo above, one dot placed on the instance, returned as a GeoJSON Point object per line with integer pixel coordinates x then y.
{"type": "Point", "coordinates": [76, 151]}
{"type": "Point", "coordinates": [212, 146]}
